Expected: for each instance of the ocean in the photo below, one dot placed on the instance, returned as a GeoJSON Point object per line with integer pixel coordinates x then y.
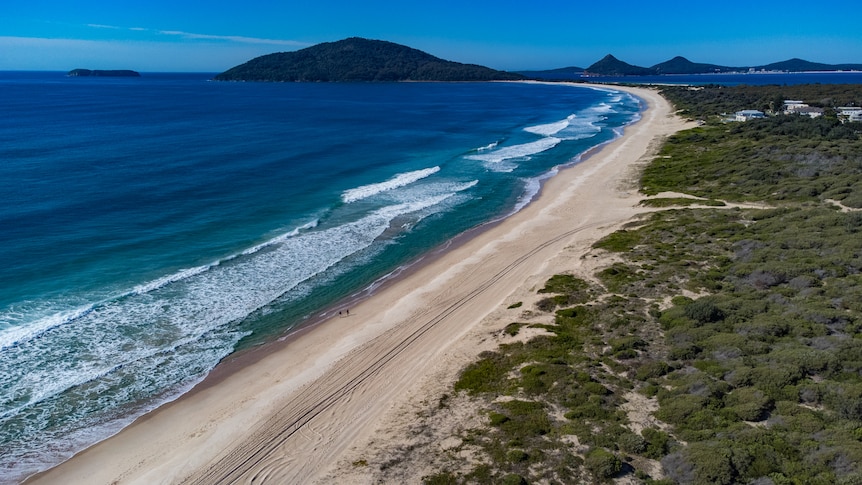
{"type": "Point", "coordinates": [152, 226]}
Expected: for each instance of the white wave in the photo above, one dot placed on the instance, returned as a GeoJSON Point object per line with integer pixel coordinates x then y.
{"type": "Point", "coordinates": [489, 146]}
{"type": "Point", "coordinates": [138, 334]}
{"type": "Point", "coordinates": [172, 278]}
{"type": "Point", "coordinates": [517, 151]}
{"type": "Point", "coordinates": [580, 127]}
{"type": "Point", "coordinates": [602, 108]}
{"type": "Point", "coordinates": [399, 180]}
{"type": "Point", "coordinates": [26, 331]}
{"type": "Point", "coordinates": [278, 239]}
{"type": "Point", "coordinates": [13, 335]}
{"type": "Point", "coordinates": [431, 190]}
{"type": "Point", "coordinates": [550, 128]}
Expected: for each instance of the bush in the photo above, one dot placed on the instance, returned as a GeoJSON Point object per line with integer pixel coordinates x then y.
{"type": "Point", "coordinates": [701, 463]}
{"type": "Point", "coordinates": [517, 456]}
{"type": "Point", "coordinates": [602, 464]}
{"type": "Point", "coordinates": [748, 403]}
{"type": "Point", "coordinates": [703, 311]}
{"type": "Point", "coordinates": [650, 370]}
{"type": "Point", "coordinates": [514, 479]}
{"type": "Point", "coordinates": [497, 418]}
{"type": "Point", "coordinates": [657, 443]}
{"type": "Point", "coordinates": [486, 375]}
{"type": "Point", "coordinates": [564, 284]}
{"type": "Point", "coordinates": [512, 329]}
{"type": "Point", "coordinates": [620, 241]}
{"type": "Point", "coordinates": [632, 443]}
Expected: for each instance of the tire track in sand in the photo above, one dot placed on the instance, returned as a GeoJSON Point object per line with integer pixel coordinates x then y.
{"type": "Point", "coordinates": [253, 460]}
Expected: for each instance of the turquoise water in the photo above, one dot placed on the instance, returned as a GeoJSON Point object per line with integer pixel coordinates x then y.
{"type": "Point", "coordinates": [152, 226]}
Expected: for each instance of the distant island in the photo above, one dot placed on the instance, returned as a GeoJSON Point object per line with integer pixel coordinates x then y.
{"type": "Point", "coordinates": [359, 60]}
{"type": "Point", "coordinates": [103, 73]}
{"type": "Point", "coordinates": [611, 66]}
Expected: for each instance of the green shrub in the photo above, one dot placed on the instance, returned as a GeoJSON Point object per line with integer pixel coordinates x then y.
{"type": "Point", "coordinates": [616, 277]}
{"type": "Point", "coordinates": [748, 403]}
{"type": "Point", "coordinates": [625, 343]}
{"type": "Point", "coordinates": [596, 388]}
{"type": "Point", "coordinates": [563, 284]}
{"type": "Point", "coordinates": [652, 369]}
{"type": "Point", "coordinates": [620, 241]}
{"type": "Point", "coordinates": [702, 463]}
{"type": "Point", "coordinates": [625, 354]}
{"type": "Point", "coordinates": [514, 479]}
{"type": "Point", "coordinates": [703, 311]}
{"type": "Point", "coordinates": [676, 409]}
{"type": "Point", "coordinates": [486, 375]}
{"type": "Point", "coordinates": [512, 329]}
{"type": "Point", "coordinates": [602, 464]}
{"type": "Point", "coordinates": [686, 351]}
{"type": "Point", "coordinates": [497, 418]}
{"type": "Point", "coordinates": [657, 443]}
{"type": "Point", "coordinates": [526, 419]}
{"type": "Point", "coordinates": [632, 443]}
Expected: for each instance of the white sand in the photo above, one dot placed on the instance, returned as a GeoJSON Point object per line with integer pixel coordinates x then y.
{"type": "Point", "coordinates": [293, 414]}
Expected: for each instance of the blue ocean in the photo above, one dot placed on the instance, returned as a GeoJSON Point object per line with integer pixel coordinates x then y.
{"type": "Point", "coordinates": [152, 226]}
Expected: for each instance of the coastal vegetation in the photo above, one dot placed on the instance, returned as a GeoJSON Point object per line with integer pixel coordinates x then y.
{"type": "Point", "coordinates": [716, 344]}
{"type": "Point", "coordinates": [709, 102]}
{"type": "Point", "coordinates": [359, 60]}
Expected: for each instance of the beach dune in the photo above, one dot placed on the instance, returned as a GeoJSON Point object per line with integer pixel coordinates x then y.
{"type": "Point", "coordinates": [288, 412]}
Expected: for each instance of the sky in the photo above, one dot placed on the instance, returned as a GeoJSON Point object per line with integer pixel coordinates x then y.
{"type": "Point", "coordinates": [215, 35]}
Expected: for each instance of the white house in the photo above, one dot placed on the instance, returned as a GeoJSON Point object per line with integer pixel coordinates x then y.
{"type": "Point", "coordinates": [791, 105]}
{"type": "Point", "coordinates": [749, 114]}
{"type": "Point", "coordinates": [808, 111]}
{"type": "Point", "coordinates": [849, 113]}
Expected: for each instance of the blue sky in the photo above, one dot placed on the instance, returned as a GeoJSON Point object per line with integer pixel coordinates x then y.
{"type": "Point", "coordinates": [214, 35]}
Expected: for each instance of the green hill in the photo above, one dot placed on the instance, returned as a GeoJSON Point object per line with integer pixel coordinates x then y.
{"type": "Point", "coordinates": [359, 60]}
{"type": "Point", "coordinates": [681, 65]}
{"type": "Point", "coordinates": [611, 66]}
{"type": "Point", "coordinates": [801, 65]}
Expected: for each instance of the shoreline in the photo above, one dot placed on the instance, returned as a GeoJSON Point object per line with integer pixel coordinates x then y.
{"type": "Point", "coordinates": [237, 360]}
{"type": "Point", "coordinates": [339, 382]}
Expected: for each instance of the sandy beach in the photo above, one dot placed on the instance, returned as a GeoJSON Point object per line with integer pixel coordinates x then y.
{"type": "Point", "coordinates": [296, 411]}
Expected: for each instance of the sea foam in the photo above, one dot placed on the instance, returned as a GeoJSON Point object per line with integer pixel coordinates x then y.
{"type": "Point", "coordinates": [517, 151]}
{"type": "Point", "coordinates": [395, 182]}
{"type": "Point", "coordinates": [550, 128]}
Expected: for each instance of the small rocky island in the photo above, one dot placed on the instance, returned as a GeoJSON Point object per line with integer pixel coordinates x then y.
{"type": "Point", "coordinates": [103, 73]}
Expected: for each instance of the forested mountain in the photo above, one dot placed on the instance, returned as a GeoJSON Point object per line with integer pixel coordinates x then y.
{"type": "Point", "coordinates": [800, 65]}
{"type": "Point", "coordinates": [611, 66]}
{"type": "Point", "coordinates": [681, 65]}
{"type": "Point", "coordinates": [357, 59]}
